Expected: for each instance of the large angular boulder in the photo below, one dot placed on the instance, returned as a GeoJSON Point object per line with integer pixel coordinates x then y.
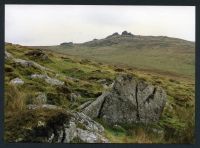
{"type": "Point", "coordinates": [129, 101]}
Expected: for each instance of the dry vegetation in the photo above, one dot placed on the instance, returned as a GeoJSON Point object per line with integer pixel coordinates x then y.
{"type": "Point", "coordinates": [175, 126]}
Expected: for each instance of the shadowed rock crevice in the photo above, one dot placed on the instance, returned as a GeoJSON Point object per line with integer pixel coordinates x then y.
{"type": "Point", "coordinates": [100, 110]}
{"type": "Point", "coordinates": [151, 96]}
{"type": "Point", "coordinates": [136, 98]}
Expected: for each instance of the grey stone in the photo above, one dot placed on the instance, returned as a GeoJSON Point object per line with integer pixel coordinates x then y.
{"type": "Point", "coordinates": [45, 106]}
{"type": "Point", "coordinates": [129, 101]}
{"type": "Point", "coordinates": [84, 105]}
{"type": "Point", "coordinates": [54, 81]}
{"type": "Point", "coordinates": [89, 132]}
{"type": "Point", "coordinates": [17, 81]}
{"type": "Point", "coordinates": [90, 137]}
{"type": "Point", "coordinates": [74, 97]}
{"type": "Point", "coordinates": [49, 80]}
{"type": "Point", "coordinates": [26, 63]}
{"type": "Point", "coordinates": [8, 55]}
{"type": "Point", "coordinates": [66, 127]}
{"type": "Point", "coordinates": [94, 108]}
{"type": "Point", "coordinates": [41, 98]}
{"type": "Point", "coordinates": [88, 123]}
{"type": "Point", "coordinates": [38, 76]}
{"type": "Point", "coordinates": [70, 132]}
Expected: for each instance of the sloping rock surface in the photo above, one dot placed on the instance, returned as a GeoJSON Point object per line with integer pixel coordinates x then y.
{"type": "Point", "coordinates": [129, 101]}
{"type": "Point", "coordinates": [66, 128]}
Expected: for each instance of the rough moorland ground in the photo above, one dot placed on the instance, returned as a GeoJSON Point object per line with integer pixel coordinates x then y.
{"type": "Point", "coordinates": [83, 76]}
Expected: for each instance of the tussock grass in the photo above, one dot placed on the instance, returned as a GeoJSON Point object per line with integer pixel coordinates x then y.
{"type": "Point", "coordinates": [81, 76]}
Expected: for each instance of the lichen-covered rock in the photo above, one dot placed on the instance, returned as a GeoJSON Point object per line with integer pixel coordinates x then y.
{"type": "Point", "coordinates": [49, 80]}
{"type": "Point", "coordinates": [41, 98]}
{"type": "Point", "coordinates": [88, 123]}
{"type": "Point", "coordinates": [54, 81]}
{"type": "Point", "coordinates": [94, 109]}
{"type": "Point", "coordinates": [74, 97]}
{"type": "Point", "coordinates": [129, 101]}
{"type": "Point", "coordinates": [91, 137]}
{"type": "Point", "coordinates": [25, 63]}
{"type": "Point", "coordinates": [17, 81]}
{"type": "Point", "coordinates": [84, 105]}
{"type": "Point", "coordinates": [44, 106]}
{"type": "Point", "coordinates": [66, 127]}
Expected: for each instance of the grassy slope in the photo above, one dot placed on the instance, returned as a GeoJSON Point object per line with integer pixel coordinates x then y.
{"type": "Point", "coordinates": [177, 128]}
{"type": "Point", "coordinates": [144, 52]}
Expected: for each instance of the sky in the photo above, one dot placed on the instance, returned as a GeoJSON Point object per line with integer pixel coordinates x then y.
{"type": "Point", "coordinates": [54, 24]}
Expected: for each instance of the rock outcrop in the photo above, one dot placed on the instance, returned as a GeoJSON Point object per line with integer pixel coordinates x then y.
{"type": "Point", "coordinates": [67, 44]}
{"type": "Point", "coordinates": [68, 128]}
{"type": "Point", "coordinates": [37, 53]}
{"type": "Point", "coordinates": [129, 101]}
{"type": "Point", "coordinates": [125, 33]}
{"type": "Point", "coordinates": [25, 63]}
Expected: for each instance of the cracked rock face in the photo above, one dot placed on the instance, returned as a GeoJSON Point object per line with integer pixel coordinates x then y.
{"type": "Point", "coordinates": [130, 101]}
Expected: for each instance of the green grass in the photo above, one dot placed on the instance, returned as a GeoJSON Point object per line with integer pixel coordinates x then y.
{"type": "Point", "coordinates": [155, 53]}
{"type": "Point", "coordinates": [80, 75]}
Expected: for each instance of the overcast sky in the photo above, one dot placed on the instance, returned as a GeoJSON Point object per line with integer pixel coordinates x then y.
{"type": "Point", "coordinates": [53, 24]}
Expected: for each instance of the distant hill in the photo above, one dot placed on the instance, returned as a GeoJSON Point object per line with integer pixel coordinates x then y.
{"type": "Point", "coordinates": [158, 53]}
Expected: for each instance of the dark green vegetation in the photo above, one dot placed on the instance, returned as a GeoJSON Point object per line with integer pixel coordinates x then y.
{"type": "Point", "coordinates": [82, 76]}
{"type": "Point", "coordinates": [162, 54]}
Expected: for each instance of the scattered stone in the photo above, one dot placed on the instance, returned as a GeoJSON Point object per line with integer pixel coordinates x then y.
{"type": "Point", "coordinates": [129, 101]}
{"type": "Point", "coordinates": [25, 63]}
{"type": "Point", "coordinates": [8, 55]}
{"type": "Point", "coordinates": [17, 81]}
{"type": "Point", "coordinates": [47, 79]}
{"type": "Point", "coordinates": [54, 81]}
{"type": "Point", "coordinates": [38, 76]}
{"type": "Point", "coordinates": [41, 98]}
{"type": "Point", "coordinates": [74, 97]}
{"type": "Point", "coordinates": [37, 53]}
{"type": "Point", "coordinates": [41, 123]}
{"type": "Point", "coordinates": [46, 106]}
